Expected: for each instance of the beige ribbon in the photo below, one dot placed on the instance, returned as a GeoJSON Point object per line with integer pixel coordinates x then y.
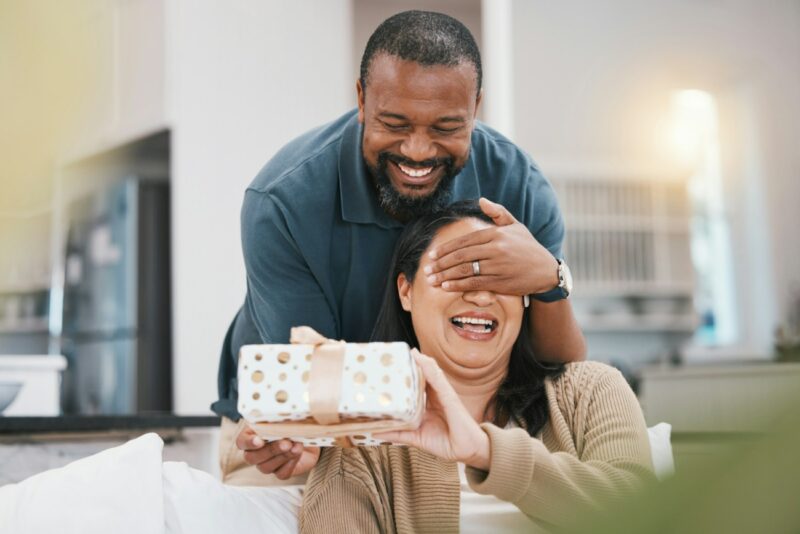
{"type": "Point", "coordinates": [325, 376]}
{"type": "Point", "coordinates": [322, 387]}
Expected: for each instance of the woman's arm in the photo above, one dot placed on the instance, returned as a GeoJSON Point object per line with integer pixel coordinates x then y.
{"type": "Point", "coordinates": [341, 506]}
{"type": "Point", "coordinates": [339, 497]}
{"type": "Point", "coordinates": [614, 459]}
{"type": "Point", "coordinates": [614, 454]}
{"type": "Point", "coordinates": [380, 489]}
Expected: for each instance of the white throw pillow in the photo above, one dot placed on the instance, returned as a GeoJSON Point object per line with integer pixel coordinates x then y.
{"type": "Point", "coordinates": [118, 490]}
{"type": "Point", "coordinates": [197, 503]}
{"type": "Point", "coordinates": [661, 449]}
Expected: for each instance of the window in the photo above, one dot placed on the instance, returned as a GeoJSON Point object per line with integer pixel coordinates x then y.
{"type": "Point", "coordinates": [696, 137]}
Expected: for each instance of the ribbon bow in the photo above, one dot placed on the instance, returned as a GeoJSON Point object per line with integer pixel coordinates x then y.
{"type": "Point", "coordinates": [325, 376]}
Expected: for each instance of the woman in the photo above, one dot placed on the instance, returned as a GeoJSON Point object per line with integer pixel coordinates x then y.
{"type": "Point", "coordinates": [547, 439]}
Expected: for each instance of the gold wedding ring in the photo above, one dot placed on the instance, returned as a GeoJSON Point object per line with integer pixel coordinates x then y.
{"type": "Point", "coordinates": [476, 268]}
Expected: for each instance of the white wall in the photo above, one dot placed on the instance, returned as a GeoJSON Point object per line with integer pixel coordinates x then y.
{"type": "Point", "coordinates": [368, 14]}
{"type": "Point", "coordinates": [592, 89]}
{"type": "Point", "coordinates": [244, 78]}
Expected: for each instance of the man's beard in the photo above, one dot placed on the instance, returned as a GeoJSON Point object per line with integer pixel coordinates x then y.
{"type": "Point", "coordinates": [403, 207]}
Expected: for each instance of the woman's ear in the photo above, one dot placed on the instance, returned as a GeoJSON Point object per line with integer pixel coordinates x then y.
{"type": "Point", "coordinates": [404, 291]}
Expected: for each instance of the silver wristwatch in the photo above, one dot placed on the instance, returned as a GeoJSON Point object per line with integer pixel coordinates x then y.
{"type": "Point", "coordinates": [562, 290]}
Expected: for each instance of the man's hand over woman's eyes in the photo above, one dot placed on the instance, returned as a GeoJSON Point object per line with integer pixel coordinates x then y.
{"type": "Point", "coordinates": [510, 259]}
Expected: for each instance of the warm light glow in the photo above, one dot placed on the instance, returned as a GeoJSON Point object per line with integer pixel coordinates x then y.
{"type": "Point", "coordinates": [694, 125]}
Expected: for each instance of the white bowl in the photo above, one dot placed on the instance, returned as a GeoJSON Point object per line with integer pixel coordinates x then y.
{"type": "Point", "coordinates": [8, 392]}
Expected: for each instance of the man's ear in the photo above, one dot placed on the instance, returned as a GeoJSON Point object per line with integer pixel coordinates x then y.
{"type": "Point", "coordinates": [404, 292]}
{"type": "Point", "coordinates": [360, 95]}
{"type": "Point", "coordinates": [478, 103]}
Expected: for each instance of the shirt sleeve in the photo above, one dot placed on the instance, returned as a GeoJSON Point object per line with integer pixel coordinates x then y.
{"type": "Point", "coordinates": [281, 289]}
{"type": "Point", "coordinates": [546, 223]}
{"type": "Point", "coordinates": [553, 486]}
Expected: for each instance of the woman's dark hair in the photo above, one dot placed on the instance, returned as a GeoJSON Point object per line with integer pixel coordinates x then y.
{"type": "Point", "coordinates": [521, 397]}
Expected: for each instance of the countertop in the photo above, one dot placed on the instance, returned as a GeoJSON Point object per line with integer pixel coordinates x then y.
{"type": "Point", "coordinates": [70, 424]}
{"type": "Point", "coordinates": [31, 445]}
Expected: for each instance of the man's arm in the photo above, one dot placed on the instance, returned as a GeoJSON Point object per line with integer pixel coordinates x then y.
{"type": "Point", "coordinates": [281, 293]}
{"type": "Point", "coordinates": [281, 290]}
{"type": "Point", "coordinates": [555, 334]}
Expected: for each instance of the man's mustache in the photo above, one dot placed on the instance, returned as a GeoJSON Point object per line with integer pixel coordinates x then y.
{"type": "Point", "coordinates": [400, 160]}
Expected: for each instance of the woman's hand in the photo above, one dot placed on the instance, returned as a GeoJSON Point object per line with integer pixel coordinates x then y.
{"type": "Point", "coordinates": [284, 457]}
{"type": "Point", "coordinates": [447, 429]}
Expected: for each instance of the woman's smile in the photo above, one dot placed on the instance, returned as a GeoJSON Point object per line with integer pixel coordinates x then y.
{"type": "Point", "coordinates": [475, 325]}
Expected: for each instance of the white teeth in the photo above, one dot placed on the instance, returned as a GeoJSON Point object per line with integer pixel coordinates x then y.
{"type": "Point", "coordinates": [473, 320]}
{"type": "Point", "coordinates": [416, 173]}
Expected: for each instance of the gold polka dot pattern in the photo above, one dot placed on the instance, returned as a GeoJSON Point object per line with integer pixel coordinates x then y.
{"type": "Point", "coordinates": [380, 382]}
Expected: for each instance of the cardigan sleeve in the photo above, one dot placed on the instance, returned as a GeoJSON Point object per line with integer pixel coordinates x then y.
{"type": "Point", "coordinates": [344, 495]}
{"type": "Point", "coordinates": [341, 505]}
{"type": "Point", "coordinates": [613, 461]}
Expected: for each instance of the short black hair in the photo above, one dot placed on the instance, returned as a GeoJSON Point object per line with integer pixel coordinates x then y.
{"type": "Point", "coordinates": [425, 37]}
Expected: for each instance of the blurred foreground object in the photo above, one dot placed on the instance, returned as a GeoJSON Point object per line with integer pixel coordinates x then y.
{"type": "Point", "coordinates": [753, 488]}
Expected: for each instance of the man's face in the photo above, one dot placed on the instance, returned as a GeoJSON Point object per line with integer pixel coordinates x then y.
{"type": "Point", "coordinates": [418, 122]}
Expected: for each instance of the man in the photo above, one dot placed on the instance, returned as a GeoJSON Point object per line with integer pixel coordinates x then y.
{"type": "Point", "coordinates": [320, 220]}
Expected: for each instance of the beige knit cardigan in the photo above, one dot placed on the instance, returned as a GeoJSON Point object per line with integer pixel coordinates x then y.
{"type": "Point", "coordinates": [593, 448]}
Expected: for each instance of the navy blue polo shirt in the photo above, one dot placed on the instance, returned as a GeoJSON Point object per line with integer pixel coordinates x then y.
{"type": "Point", "coordinates": [317, 244]}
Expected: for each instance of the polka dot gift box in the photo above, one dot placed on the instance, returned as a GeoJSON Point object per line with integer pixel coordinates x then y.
{"type": "Point", "coordinates": [323, 392]}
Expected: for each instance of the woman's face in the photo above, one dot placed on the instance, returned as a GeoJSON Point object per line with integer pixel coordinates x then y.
{"type": "Point", "coordinates": [470, 334]}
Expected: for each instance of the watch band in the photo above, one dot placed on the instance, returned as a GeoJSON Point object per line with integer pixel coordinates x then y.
{"type": "Point", "coordinates": [557, 293]}
{"type": "Point", "coordinates": [562, 290]}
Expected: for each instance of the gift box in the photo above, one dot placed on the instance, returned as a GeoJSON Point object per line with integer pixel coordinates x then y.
{"type": "Point", "coordinates": [322, 392]}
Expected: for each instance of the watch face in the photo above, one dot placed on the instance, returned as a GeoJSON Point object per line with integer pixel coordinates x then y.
{"type": "Point", "coordinates": [567, 278]}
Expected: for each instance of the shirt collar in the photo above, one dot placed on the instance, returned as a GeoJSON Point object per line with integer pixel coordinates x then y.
{"type": "Point", "coordinates": [359, 200]}
{"type": "Point", "coordinates": [358, 196]}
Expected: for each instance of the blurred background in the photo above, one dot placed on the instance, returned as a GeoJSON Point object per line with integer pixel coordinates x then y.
{"type": "Point", "coordinates": [130, 129]}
